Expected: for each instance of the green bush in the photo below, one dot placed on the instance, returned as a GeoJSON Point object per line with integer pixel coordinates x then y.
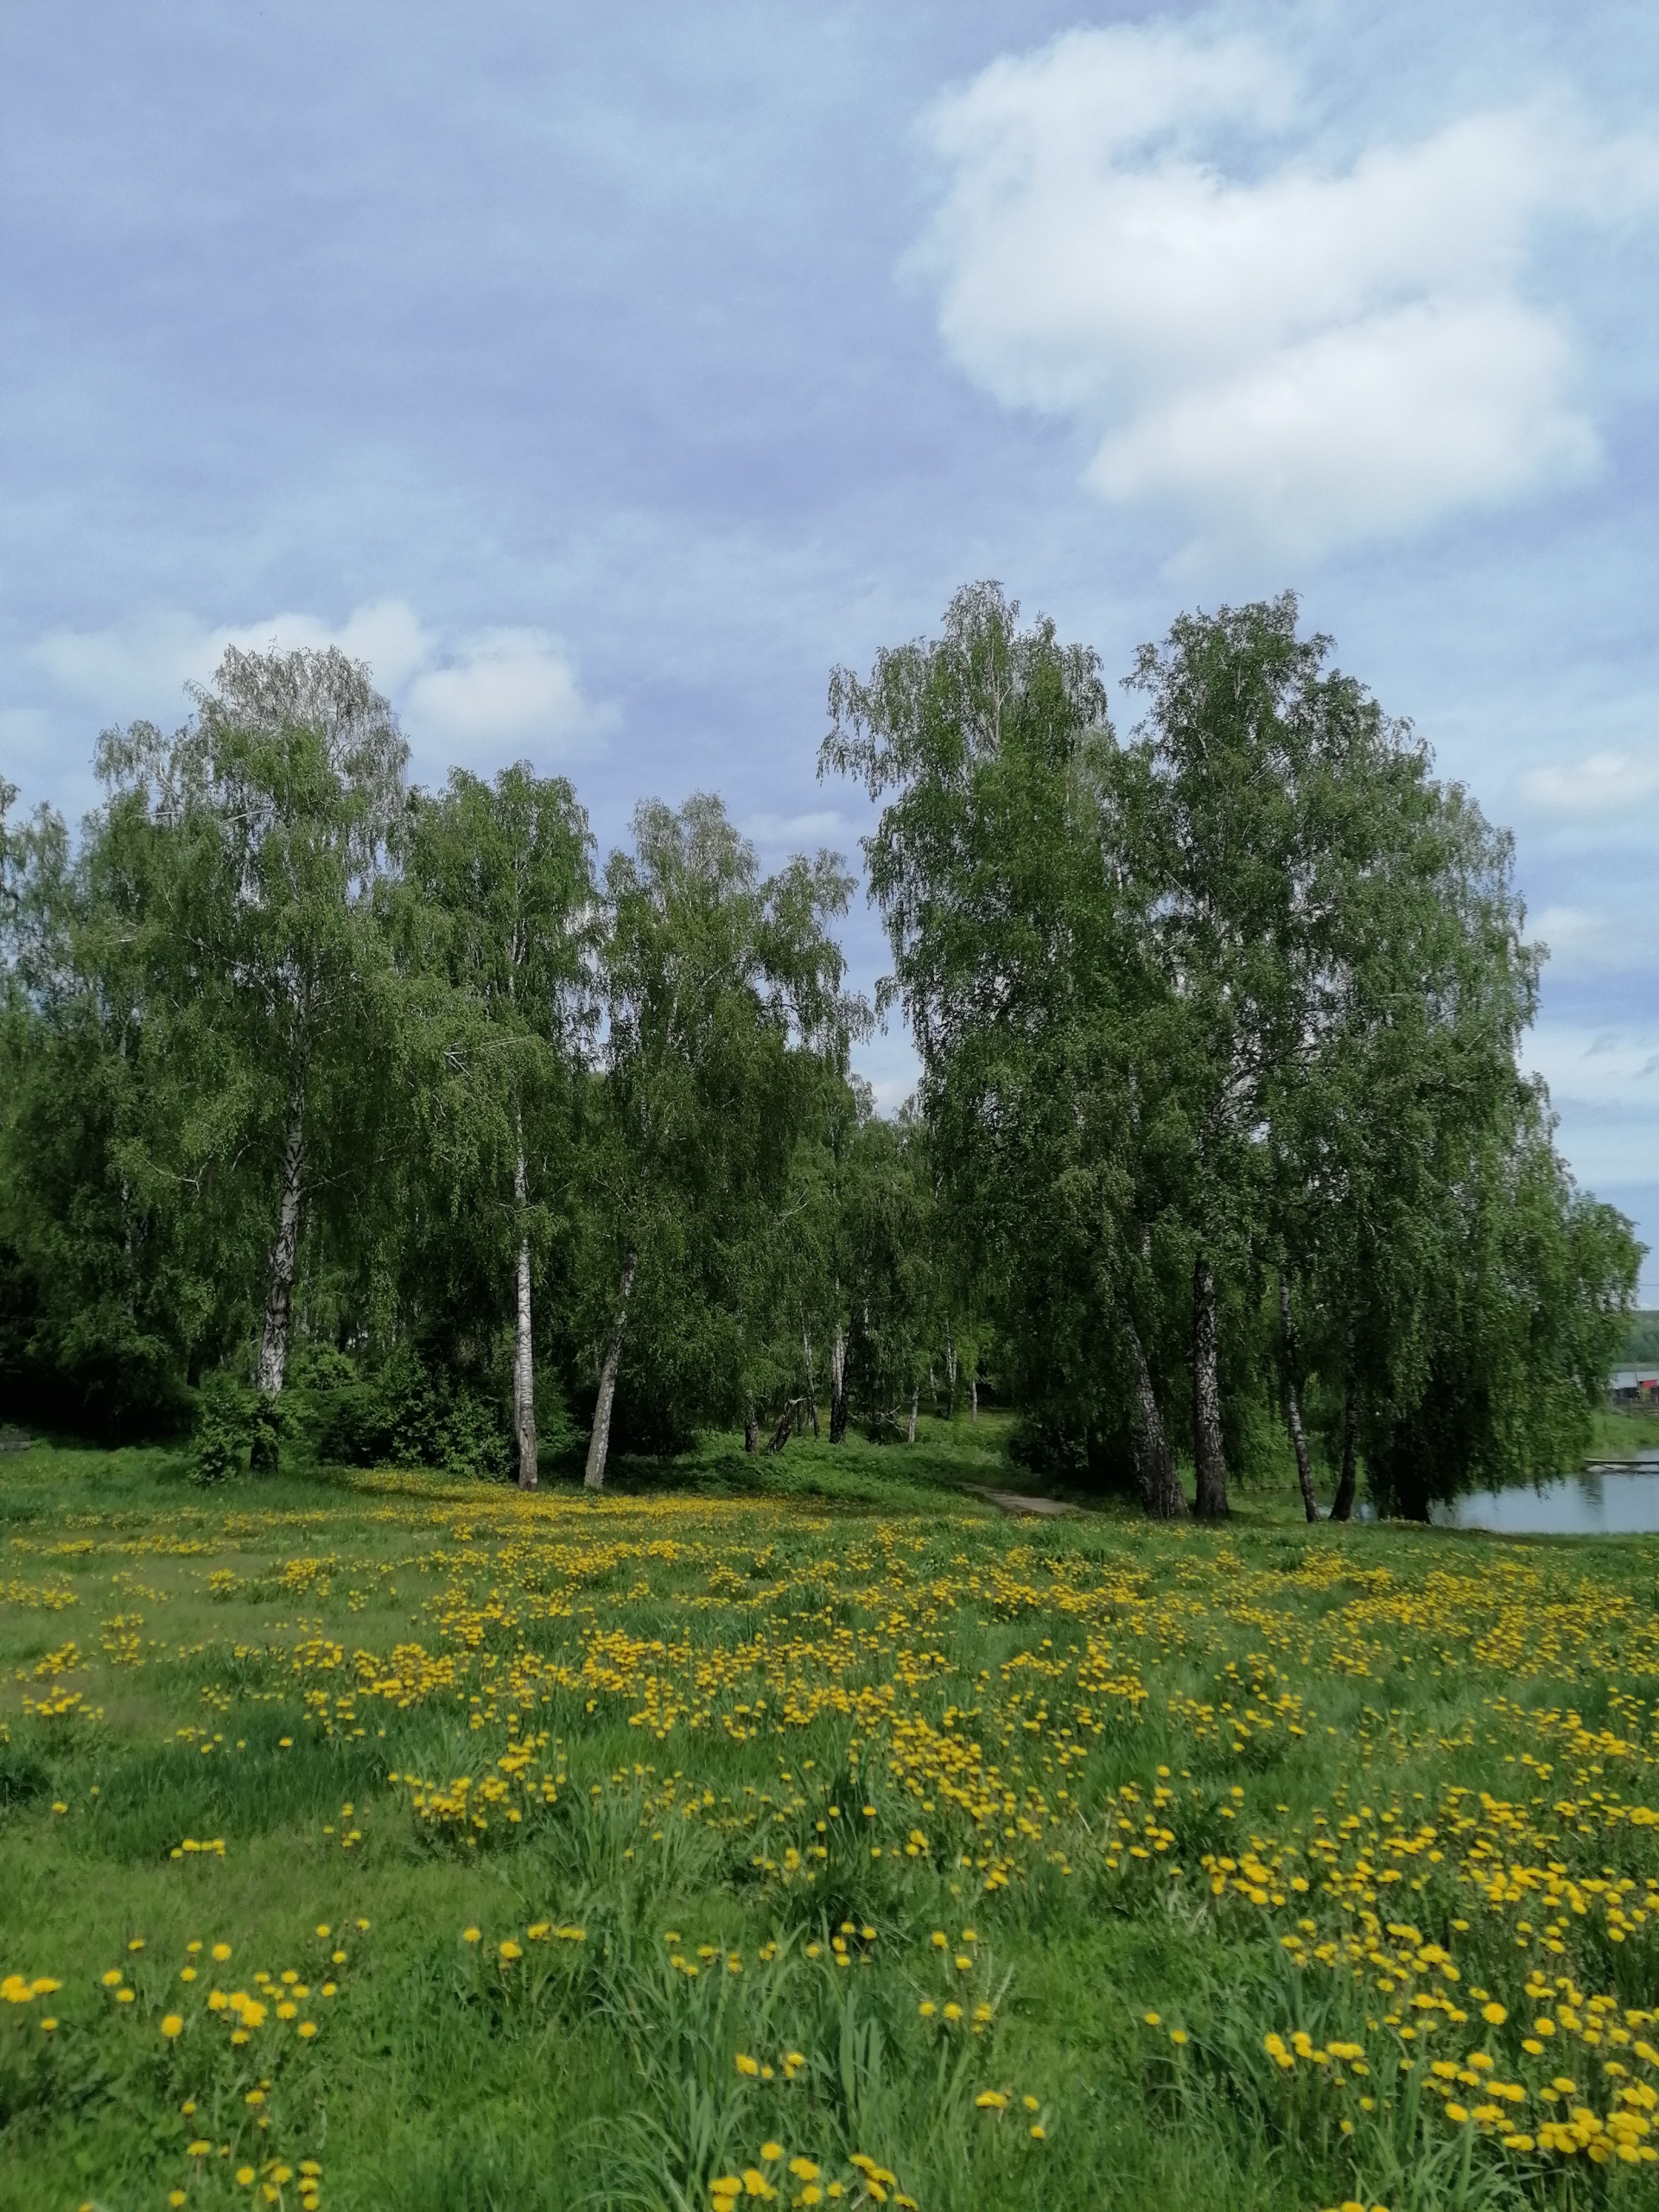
{"type": "Point", "coordinates": [223, 1431]}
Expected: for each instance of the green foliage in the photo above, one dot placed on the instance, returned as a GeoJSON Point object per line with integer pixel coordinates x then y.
{"type": "Point", "coordinates": [226, 1414]}
{"type": "Point", "coordinates": [411, 1412]}
{"type": "Point", "coordinates": [726, 1014]}
{"type": "Point", "coordinates": [298, 1067]}
{"type": "Point", "coordinates": [1243, 999]}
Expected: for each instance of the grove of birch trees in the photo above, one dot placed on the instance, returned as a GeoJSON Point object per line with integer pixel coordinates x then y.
{"type": "Point", "coordinates": [343, 1117]}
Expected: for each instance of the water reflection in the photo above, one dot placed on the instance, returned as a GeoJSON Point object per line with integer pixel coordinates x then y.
{"type": "Point", "coordinates": [1625, 1502]}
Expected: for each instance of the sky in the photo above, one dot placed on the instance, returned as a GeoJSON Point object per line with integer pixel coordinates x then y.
{"type": "Point", "coordinates": [604, 377]}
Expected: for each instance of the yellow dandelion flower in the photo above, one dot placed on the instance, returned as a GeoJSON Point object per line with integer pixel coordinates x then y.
{"type": "Point", "coordinates": [172, 2026]}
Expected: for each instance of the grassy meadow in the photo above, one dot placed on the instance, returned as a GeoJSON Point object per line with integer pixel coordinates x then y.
{"type": "Point", "coordinates": [809, 1832]}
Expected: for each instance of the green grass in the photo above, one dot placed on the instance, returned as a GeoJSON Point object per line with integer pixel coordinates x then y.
{"type": "Point", "coordinates": [1621, 1435]}
{"type": "Point", "coordinates": [755, 1716]}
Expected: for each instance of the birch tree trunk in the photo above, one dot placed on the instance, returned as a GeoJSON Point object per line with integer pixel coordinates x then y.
{"type": "Point", "coordinates": [751, 1431]}
{"type": "Point", "coordinates": [1342, 1505]}
{"type": "Point", "coordinates": [914, 1395]}
{"type": "Point", "coordinates": [1292, 1404]}
{"type": "Point", "coordinates": [1161, 1496]}
{"type": "Point", "coordinates": [1209, 1456]}
{"type": "Point", "coordinates": [599, 1443]}
{"type": "Point", "coordinates": [973, 1398]}
{"type": "Point", "coordinates": [811, 1386]}
{"type": "Point", "coordinates": [523, 1358]}
{"type": "Point", "coordinates": [279, 1295]}
{"type": "Point", "coordinates": [838, 1386]}
{"type": "Point", "coordinates": [950, 1370]}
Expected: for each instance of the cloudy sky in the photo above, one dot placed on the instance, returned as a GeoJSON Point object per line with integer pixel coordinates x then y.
{"type": "Point", "coordinates": [603, 376]}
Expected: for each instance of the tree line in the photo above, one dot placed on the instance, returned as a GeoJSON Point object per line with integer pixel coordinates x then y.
{"type": "Point", "coordinates": [395, 1116]}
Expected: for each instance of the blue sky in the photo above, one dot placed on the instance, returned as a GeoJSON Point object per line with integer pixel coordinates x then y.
{"type": "Point", "coordinates": [602, 377]}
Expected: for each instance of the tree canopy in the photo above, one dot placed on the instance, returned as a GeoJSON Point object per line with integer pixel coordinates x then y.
{"type": "Point", "coordinates": [398, 1121]}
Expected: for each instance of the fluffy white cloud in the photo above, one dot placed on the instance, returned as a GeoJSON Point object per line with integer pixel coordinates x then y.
{"type": "Point", "coordinates": [505, 693]}
{"type": "Point", "coordinates": [142, 666]}
{"type": "Point", "coordinates": [800, 832]}
{"type": "Point", "coordinates": [1296, 354]}
{"type": "Point", "coordinates": [1603, 787]}
{"type": "Point", "coordinates": [482, 701]}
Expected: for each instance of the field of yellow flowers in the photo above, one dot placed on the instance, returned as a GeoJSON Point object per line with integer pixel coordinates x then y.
{"type": "Point", "coordinates": [393, 1843]}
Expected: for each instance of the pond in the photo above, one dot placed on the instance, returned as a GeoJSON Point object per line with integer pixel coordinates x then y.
{"type": "Point", "coordinates": [1618, 1502]}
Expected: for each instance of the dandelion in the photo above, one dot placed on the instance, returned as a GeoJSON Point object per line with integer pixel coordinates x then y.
{"type": "Point", "coordinates": [172, 2026]}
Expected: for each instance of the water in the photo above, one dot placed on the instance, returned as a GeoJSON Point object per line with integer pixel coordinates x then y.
{"type": "Point", "coordinates": [1623, 1503]}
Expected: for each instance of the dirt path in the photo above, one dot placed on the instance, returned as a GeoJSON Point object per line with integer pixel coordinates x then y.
{"type": "Point", "coordinates": [1013, 1500]}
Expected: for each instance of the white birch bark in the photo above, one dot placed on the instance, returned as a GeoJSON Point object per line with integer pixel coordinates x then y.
{"type": "Point", "coordinates": [1294, 1407]}
{"type": "Point", "coordinates": [524, 1357]}
{"type": "Point", "coordinates": [811, 1385]}
{"type": "Point", "coordinates": [1208, 1456]}
{"type": "Point", "coordinates": [279, 1295]}
{"type": "Point", "coordinates": [599, 1443]}
{"type": "Point", "coordinates": [838, 1386]}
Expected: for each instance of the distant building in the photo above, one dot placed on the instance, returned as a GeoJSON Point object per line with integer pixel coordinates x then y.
{"type": "Point", "coordinates": [1634, 1387]}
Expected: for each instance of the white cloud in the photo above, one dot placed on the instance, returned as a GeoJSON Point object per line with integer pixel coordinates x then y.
{"type": "Point", "coordinates": [1605, 785]}
{"type": "Point", "coordinates": [797, 832]}
{"type": "Point", "coordinates": [1294, 354]}
{"type": "Point", "coordinates": [142, 666]}
{"type": "Point", "coordinates": [503, 693]}
{"type": "Point", "coordinates": [485, 700]}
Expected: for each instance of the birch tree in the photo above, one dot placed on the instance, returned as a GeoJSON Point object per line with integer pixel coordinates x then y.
{"type": "Point", "coordinates": [723, 994]}
{"type": "Point", "coordinates": [1017, 929]}
{"type": "Point", "coordinates": [290, 782]}
{"type": "Point", "coordinates": [496, 908]}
